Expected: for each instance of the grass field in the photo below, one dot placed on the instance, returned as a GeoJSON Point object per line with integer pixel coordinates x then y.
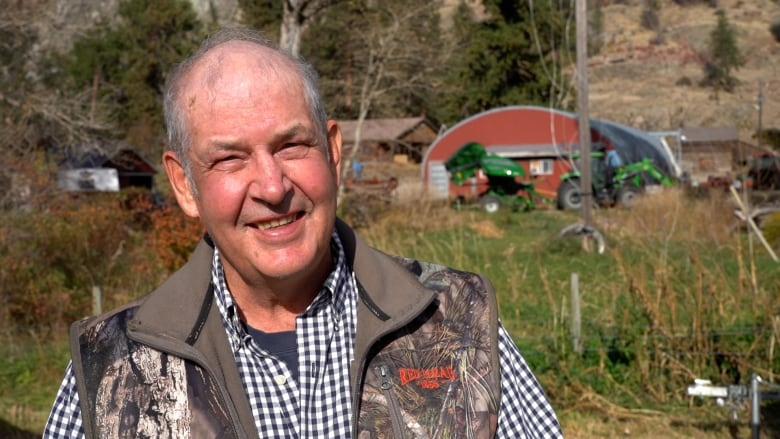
{"type": "Point", "coordinates": [680, 293]}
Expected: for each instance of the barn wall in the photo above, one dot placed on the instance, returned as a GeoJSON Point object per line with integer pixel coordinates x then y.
{"type": "Point", "coordinates": [705, 159]}
{"type": "Point", "coordinates": [515, 125]}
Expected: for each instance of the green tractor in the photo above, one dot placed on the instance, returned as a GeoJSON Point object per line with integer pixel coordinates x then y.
{"type": "Point", "coordinates": [502, 173]}
{"type": "Point", "coordinates": [625, 185]}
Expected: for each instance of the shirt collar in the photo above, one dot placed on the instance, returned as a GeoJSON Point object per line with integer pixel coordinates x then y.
{"type": "Point", "coordinates": [334, 291]}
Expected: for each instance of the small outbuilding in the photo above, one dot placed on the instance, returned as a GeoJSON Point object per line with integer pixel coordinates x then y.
{"type": "Point", "coordinates": [109, 168]}
{"type": "Point", "coordinates": [389, 139]}
{"type": "Point", "coordinates": [708, 151]}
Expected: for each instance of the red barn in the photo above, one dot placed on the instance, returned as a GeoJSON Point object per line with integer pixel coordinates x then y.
{"type": "Point", "coordinates": [540, 139]}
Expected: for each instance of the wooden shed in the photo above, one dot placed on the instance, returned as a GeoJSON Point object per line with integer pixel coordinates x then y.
{"type": "Point", "coordinates": [388, 139]}
{"type": "Point", "coordinates": [101, 170]}
{"type": "Point", "coordinates": [709, 152]}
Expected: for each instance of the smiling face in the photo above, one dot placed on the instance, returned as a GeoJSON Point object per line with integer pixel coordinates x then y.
{"type": "Point", "coordinates": [266, 184]}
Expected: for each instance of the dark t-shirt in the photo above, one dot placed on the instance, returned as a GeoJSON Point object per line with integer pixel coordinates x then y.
{"type": "Point", "coordinates": [280, 344]}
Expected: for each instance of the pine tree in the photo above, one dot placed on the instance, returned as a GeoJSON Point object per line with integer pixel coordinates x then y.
{"type": "Point", "coordinates": [595, 27]}
{"type": "Point", "coordinates": [379, 57]}
{"type": "Point", "coordinates": [724, 56]}
{"type": "Point", "coordinates": [126, 63]}
{"type": "Point", "coordinates": [650, 20]}
{"type": "Point", "coordinates": [264, 15]}
{"type": "Point", "coordinates": [516, 56]}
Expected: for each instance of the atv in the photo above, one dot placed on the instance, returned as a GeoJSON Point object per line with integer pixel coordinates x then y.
{"type": "Point", "coordinates": [622, 188]}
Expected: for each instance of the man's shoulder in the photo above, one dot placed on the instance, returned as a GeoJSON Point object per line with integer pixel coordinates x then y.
{"type": "Point", "coordinates": [109, 321]}
{"type": "Point", "coordinates": [422, 268]}
{"type": "Point", "coordinates": [439, 277]}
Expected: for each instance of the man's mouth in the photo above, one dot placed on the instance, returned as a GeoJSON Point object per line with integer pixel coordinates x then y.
{"type": "Point", "coordinates": [277, 222]}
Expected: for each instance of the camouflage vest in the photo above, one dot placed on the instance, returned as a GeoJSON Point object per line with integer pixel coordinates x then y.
{"type": "Point", "coordinates": [135, 391]}
{"type": "Point", "coordinates": [438, 376]}
{"type": "Point", "coordinates": [435, 377]}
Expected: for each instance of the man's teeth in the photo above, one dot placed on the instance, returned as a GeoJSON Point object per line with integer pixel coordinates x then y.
{"type": "Point", "coordinates": [277, 223]}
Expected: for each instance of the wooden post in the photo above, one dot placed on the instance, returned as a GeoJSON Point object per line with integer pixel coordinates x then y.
{"type": "Point", "coordinates": [583, 115]}
{"type": "Point", "coordinates": [753, 225]}
{"type": "Point", "coordinates": [97, 301]}
{"type": "Point", "coordinates": [576, 322]}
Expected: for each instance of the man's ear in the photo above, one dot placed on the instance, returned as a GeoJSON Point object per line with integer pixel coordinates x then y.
{"type": "Point", "coordinates": [334, 147]}
{"type": "Point", "coordinates": [180, 184]}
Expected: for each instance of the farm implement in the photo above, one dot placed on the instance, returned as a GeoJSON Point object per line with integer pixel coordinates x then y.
{"type": "Point", "coordinates": [507, 184]}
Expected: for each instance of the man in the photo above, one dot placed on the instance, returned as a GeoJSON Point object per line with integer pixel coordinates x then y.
{"type": "Point", "coordinates": [612, 161]}
{"type": "Point", "coordinates": [284, 323]}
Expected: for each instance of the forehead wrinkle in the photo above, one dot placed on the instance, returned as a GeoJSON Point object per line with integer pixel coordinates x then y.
{"type": "Point", "coordinates": [242, 72]}
{"type": "Point", "coordinates": [266, 69]}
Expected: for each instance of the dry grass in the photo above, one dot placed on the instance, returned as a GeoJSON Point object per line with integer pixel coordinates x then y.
{"type": "Point", "coordinates": [670, 214]}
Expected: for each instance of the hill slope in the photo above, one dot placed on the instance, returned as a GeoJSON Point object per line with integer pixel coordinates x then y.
{"type": "Point", "coordinates": [633, 81]}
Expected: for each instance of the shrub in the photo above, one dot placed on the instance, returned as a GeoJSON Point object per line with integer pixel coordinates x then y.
{"type": "Point", "coordinates": [772, 230]}
{"type": "Point", "coordinates": [649, 20]}
{"type": "Point", "coordinates": [724, 56]}
{"type": "Point", "coordinates": [683, 82]}
{"type": "Point", "coordinates": [172, 238]}
{"type": "Point", "coordinates": [775, 30]}
{"type": "Point", "coordinates": [53, 255]}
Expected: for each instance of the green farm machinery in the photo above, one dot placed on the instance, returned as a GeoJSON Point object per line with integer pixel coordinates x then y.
{"type": "Point", "coordinates": [621, 188]}
{"type": "Point", "coordinates": [505, 178]}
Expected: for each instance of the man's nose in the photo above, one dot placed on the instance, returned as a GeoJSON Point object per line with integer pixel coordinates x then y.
{"type": "Point", "coordinates": [269, 182]}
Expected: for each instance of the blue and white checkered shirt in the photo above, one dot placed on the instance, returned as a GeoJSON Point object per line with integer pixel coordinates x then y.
{"type": "Point", "coordinates": [317, 404]}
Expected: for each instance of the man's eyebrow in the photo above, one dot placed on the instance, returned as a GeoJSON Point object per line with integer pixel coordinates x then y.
{"type": "Point", "coordinates": [295, 130]}
{"type": "Point", "coordinates": [224, 145]}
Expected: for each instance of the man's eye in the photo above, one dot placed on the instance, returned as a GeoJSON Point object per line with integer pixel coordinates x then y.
{"type": "Point", "coordinates": [294, 150]}
{"type": "Point", "coordinates": [227, 161]}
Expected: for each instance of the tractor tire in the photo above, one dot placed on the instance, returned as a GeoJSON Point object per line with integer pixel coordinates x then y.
{"type": "Point", "coordinates": [490, 203]}
{"type": "Point", "coordinates": [569, 195]}
{"type": "Point", "coordinates": [627, 196]}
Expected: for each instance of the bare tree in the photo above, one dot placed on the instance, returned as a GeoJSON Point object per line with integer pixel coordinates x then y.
{"type": "Point", "coordinates": [31, 115]}
{"type": "Point", "coordinates": [297, 16]}
{"type": "Point", "coordinates": [393, 57]}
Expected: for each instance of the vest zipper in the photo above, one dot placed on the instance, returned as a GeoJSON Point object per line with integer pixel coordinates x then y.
{"type": "Point", "coordinates": [386, 384]}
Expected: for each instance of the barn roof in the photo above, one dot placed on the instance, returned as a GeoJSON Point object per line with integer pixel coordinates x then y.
{"type": "Point", "coordinates": [382, 129]}
{"type": "Point", "coordinates": [709, 134]}
{"type": "Point", "coordinates": [120, 156]}
{"type": "Point", "coordinates": [634, 144]}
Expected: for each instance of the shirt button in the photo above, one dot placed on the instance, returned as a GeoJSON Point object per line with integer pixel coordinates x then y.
{"type": "Point", "coordinates": [280, 379]}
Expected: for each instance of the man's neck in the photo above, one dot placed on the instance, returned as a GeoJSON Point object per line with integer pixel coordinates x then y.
{"type": "Point", "coordinates": [272, 305]}
{"type": "Point", "coordinates": [269, 313]}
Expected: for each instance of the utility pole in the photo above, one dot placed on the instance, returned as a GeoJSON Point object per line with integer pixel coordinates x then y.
{"type": "Point", "coordinates": [582, 110]}
{"type": "Point", "coordinates": [760, 110]}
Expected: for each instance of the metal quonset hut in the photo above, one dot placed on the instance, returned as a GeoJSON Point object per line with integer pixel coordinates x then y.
{"type": "Point", "coordinates": [540, 139]}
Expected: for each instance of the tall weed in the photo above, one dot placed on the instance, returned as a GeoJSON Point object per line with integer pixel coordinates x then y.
{"type": "Point", "coordinates": [679, 294]}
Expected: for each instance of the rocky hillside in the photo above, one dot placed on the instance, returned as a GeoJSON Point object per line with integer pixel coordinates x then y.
{"type": "Point", "coordinates": [634, 81]}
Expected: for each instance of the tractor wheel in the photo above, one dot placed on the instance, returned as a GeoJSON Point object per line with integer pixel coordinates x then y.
{"type": "Point", "coordinates": [569, 195]}
{"type": "Point", "coordinates": [490, 203]}
{"type": "Point", "coordinates": [627, 196]}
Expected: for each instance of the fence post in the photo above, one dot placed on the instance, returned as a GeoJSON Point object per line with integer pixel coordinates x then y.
{"type": "Point", "coordinates": [97, 301]}
{"type": "Point", "coordinates": [755, 407]}
{"type": "Point", "coordinates": [575, 314]}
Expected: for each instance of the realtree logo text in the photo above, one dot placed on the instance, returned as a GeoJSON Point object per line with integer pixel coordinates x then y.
{"type": "Point", "coordinates": [427, 378]}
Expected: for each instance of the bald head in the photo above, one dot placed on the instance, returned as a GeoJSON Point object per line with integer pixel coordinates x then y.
{"type": "Point", "coordinates": [222, 55]}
